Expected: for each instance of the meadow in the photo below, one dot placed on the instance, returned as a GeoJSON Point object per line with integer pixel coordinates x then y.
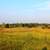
{"type": "Point", "coordinates": [24, 38]}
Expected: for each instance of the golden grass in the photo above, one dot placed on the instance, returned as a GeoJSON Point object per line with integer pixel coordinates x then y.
{"type": "Point", "coordinates": [38, 33]}
{"type": "Point", "coordinates": [21, 29]}
{"type": "Point", "coordinates": [36, 30]}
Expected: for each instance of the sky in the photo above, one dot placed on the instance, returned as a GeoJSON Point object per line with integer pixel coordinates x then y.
{"type": "Point", "coordinates": [24, 11]}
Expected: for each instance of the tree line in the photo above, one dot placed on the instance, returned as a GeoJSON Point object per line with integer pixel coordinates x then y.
{"type": "Point", "coordinates": [29, 25]}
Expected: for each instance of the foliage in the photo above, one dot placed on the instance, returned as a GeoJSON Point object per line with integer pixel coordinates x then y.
{"type": "Point", "coordinates": [29, 25]}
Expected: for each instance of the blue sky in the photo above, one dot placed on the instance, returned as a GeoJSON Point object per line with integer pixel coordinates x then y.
{"type": "Point", "coordinates": [24, 11]}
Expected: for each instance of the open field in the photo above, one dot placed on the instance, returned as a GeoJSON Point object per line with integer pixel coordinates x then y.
{"type": "Point", "coordinates": [24, 38]}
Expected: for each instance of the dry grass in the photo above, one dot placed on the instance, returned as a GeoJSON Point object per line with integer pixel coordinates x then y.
{"type": "Point", "coordinates": [37, 31]}
{"type": "Point", "coordinates": [33, 38]}
{"type": "Point", "coordinates": [24, 30]}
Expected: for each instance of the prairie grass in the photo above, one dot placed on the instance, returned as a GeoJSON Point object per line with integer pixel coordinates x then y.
{"type": "Point", "coordinates": [24, 39]}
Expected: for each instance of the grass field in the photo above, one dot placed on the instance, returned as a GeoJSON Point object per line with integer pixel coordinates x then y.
{"type": "Point", "coordinates": [24, 38]}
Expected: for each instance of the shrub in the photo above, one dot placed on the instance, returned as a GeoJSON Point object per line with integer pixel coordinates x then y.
{"type": "Point", "coordinates": [7, 25]}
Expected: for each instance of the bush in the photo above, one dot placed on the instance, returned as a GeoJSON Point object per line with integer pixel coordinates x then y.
{"type": "Point", "coordinates": [7, 25]}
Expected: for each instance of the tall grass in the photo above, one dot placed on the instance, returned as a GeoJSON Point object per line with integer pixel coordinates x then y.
{"type": "Point", "coordinates": [21, 42]}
